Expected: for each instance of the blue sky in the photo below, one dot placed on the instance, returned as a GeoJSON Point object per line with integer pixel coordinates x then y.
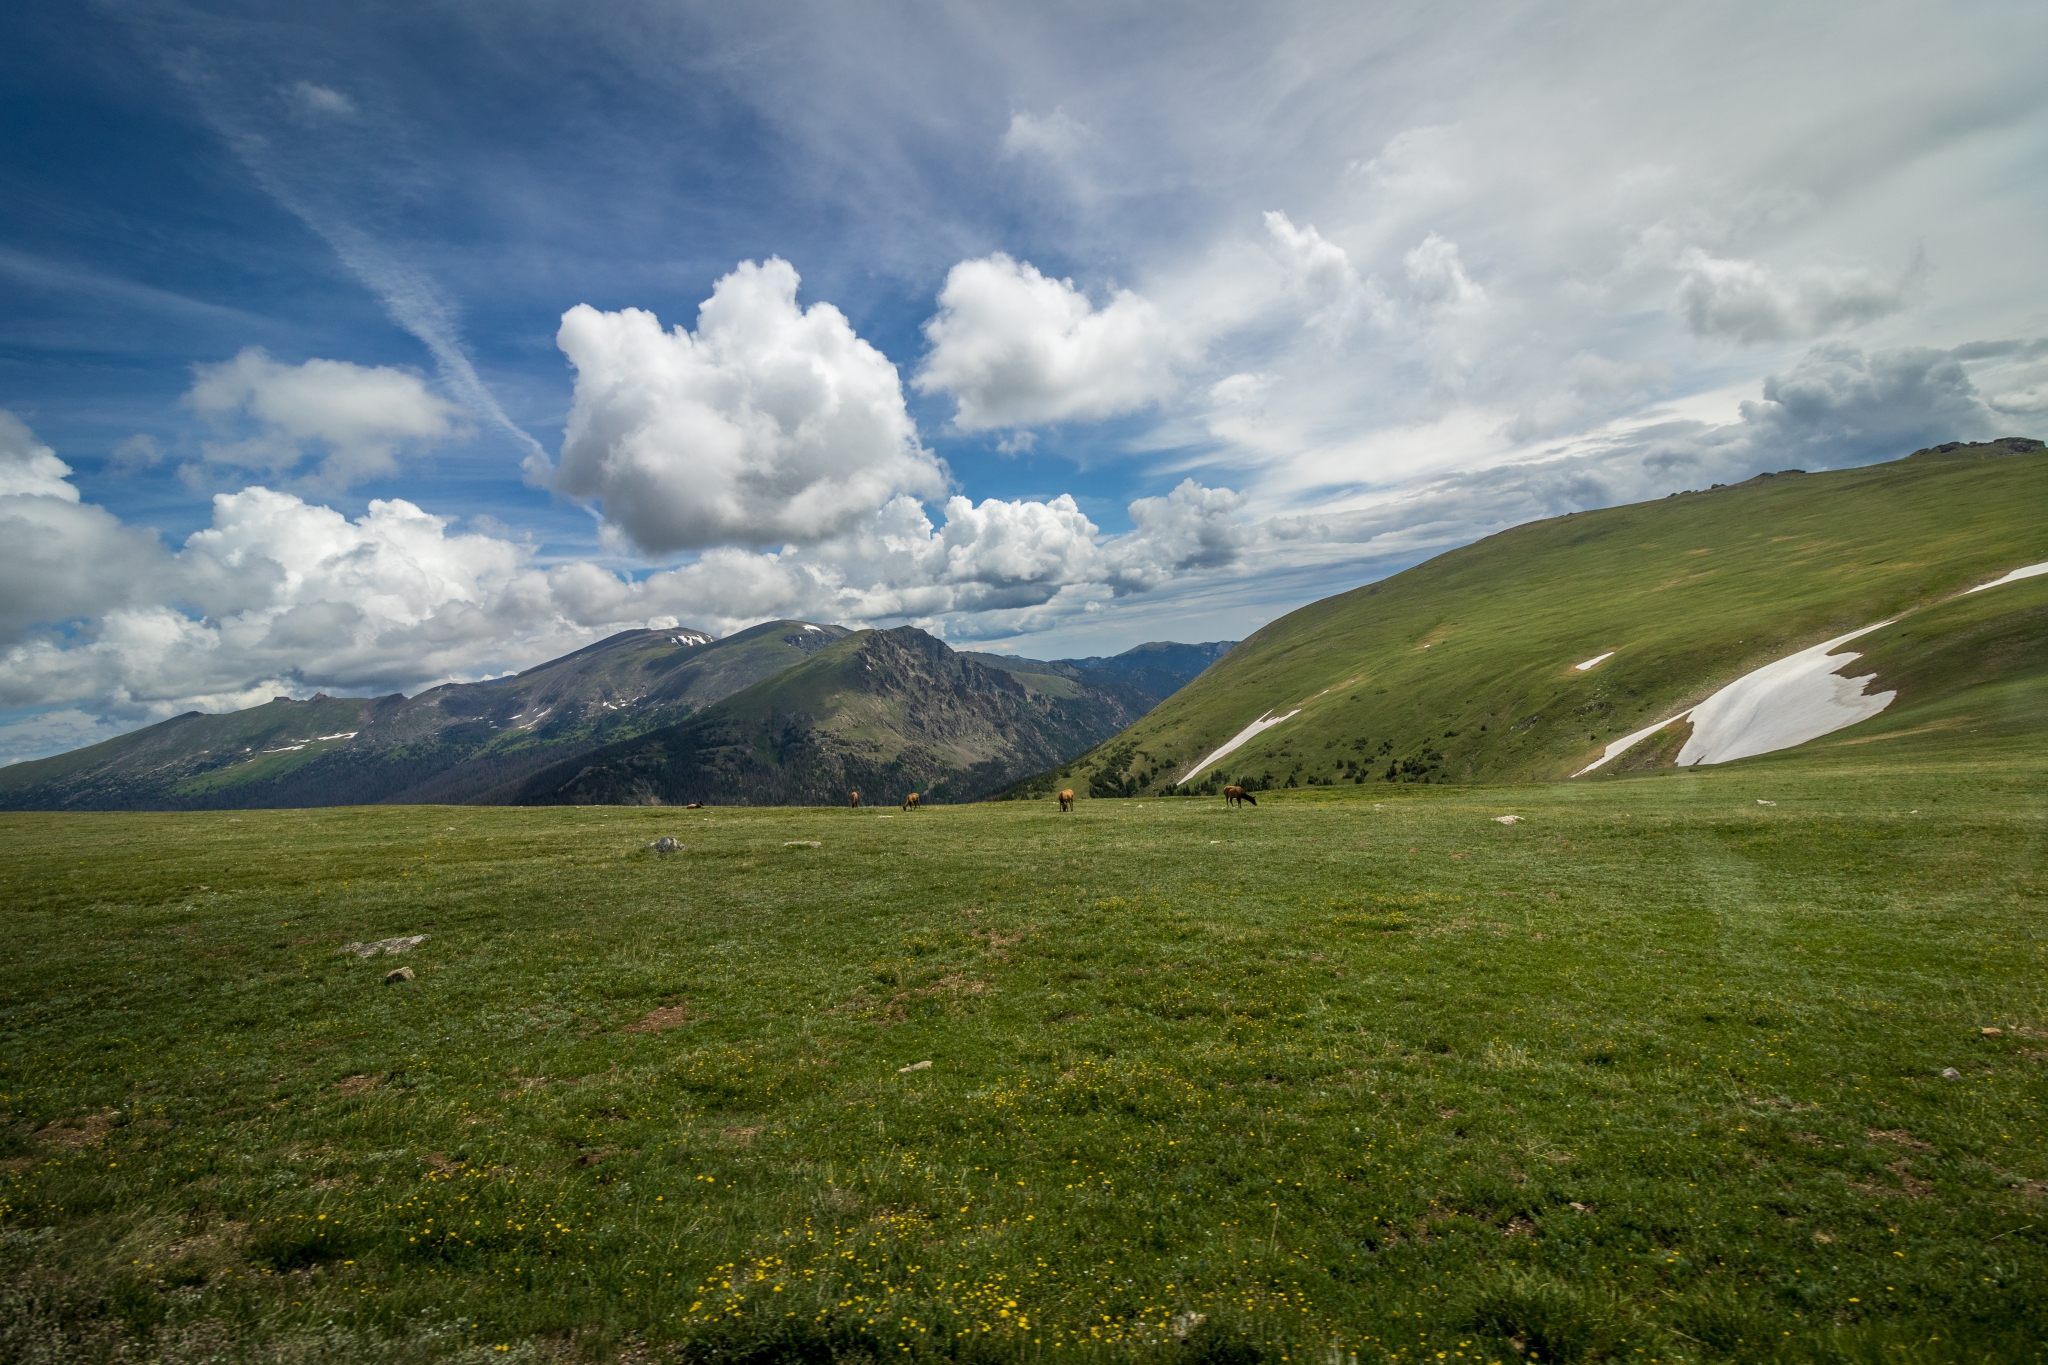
{"type": "Point", "coordinates": [331, 361]}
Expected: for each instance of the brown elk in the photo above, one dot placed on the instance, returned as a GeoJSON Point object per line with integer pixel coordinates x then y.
{"type": "Point", "coordinates": [1233, 795]}
{"type": "Point", "coordinates": [694, 805]}
{"type": "Point", "coordinates": [1067, 799]}
{"type": "Point", "coordinates": [911, 802]}
{"type": "Point", "coordinates": [853, 800]}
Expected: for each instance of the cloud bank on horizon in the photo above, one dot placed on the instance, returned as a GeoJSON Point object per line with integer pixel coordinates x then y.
{"type": "Point", "coordinates": [1083, 327]}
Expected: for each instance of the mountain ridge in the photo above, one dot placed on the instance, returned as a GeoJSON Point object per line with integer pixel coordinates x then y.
{"type": "Point", "coordinates": [1520, 656]}
{"type": "Point", "coordinates": [469, 742]}
{"type": "Point", "coordinates": [886, 712]}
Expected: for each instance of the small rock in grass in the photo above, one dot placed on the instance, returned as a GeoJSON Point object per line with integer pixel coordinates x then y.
{"type": "Point", "coordinates": [396, 975]}
{"type": "Point", "coordinates": [914, 1066]}
{"type": "Point", "coordinates": [1949, 1073]}
{"type": "Point", "coordinates": [1507, 819]}
{"type": "Point", "coordinates": [386, 945]}
{"type": "Point", "coordinates": [1992, 1032]}
{"type": "Point", "coordinates": [666, 844]}
{"type": "Point", "coordinates": [1766, 803]}
{"type": "Point", "coordinates": [802, 843]}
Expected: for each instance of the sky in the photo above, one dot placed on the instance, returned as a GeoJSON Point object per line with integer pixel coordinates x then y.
{"type": "Point", "coordinates": [354, 349]}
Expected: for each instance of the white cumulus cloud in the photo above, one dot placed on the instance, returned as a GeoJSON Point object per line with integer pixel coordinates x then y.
{"type": "Point", "coordinates": [1437, 275]}
{"type": "Point", "coordinates": [769, 424]}
{"type": "Point", "coordinates": [1751, 302]}
{"type": "Point", "coordinates": [361, 416]}
{"type": "Point", "coordinates": [28, 468]}
{"type": "Point", "coordinates": [1321, 274]}
{"type": "Point", "coordinates": [1014, 347]}
{"type": "Point", "coordinates": [1190, 528]}
{"type": "Point", "coordinates": [103, 628]}
{"type": "Point", "coordinates": [65, 559]}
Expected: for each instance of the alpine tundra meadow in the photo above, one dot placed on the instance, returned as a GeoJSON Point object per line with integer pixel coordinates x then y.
{"type": "Point", "coordinates": [1727, 1064]}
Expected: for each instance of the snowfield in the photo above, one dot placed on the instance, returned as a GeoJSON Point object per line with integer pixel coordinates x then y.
{"type": "Point", "coordinates": [1265, 722]}
{"type": "Point", "coordinates": [2031, 571]}
{"type": "Point", "coordinates": [1800, 697]}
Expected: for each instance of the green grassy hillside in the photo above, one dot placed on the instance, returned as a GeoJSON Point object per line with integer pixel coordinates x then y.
{"type": "Point", "coordinates": [1462, 669]}
{"type": "Point", "coordinates": [881, 712]}
{"type": "Point", "coordinates": [1655, 1074]}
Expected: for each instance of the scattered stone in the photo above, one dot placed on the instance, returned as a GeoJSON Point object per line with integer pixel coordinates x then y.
{"type": "Point", "coordinates": [666, 844]}
{"type": "Point", "coordinates": [1507, 819]}
{"type": "Point", "coordinates": [802, 843]}
{"type": "Point", "coordinates": [396, 975]}
{"type": "Point", "coordinates": [1766, 803]}
{"type": "Point", "coordinates": [1949, 1073]}
{"type": "Point", "coordinates": [386, 945]}
{"type": "Point", "coordinates": [1992, 1032]}
{"type": "Point", "coordinates": [914, 1066]}
{"type": "Point", "coordinates": [1577, 1207]}
{"type": "Point", "coordinates": [1184, 1323]}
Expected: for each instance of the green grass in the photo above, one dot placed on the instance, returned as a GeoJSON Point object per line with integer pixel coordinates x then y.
{"type": "Point", "coordinates": [1461, 669]}
{"type": "Point", "coordinates": [1653, 1074]}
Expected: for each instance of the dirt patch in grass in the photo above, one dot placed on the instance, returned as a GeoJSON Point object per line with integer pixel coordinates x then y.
{"type": "Point", "coordinates": [1910, 1186]}
{"type": "Point", "coordinates": [356, 1085]}
{"type": "Point", "coordinates": [668, 1016]}
{"type": "Point", "coordinates": [1900, 1137]}
{"type": "Point", "coordinates": [72, 1134]}
{"type": "Point", "coordinates": [997, 942]}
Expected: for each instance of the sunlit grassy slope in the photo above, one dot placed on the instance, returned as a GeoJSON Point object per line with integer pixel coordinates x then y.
{"type": "Point", "coordinates": [1653, 1074]}
{"type": "Point", "coordinates": [1462, 668]}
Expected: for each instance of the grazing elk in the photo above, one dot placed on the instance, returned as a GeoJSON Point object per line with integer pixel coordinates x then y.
{"type": "Point", "coordinates": [694, 805]}
{"type": "Point", "coordinates": [1234, 795]}
{"type": "Point", "coordinates": [911, 802]}
{"type": "Point", "coordinates": [1067, 799]}
{"type": "Point", "coordinates": [853, 800]}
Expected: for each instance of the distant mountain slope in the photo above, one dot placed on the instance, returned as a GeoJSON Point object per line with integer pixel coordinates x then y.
{"type": "Point", "coordinates": [885, 712]}
{"type": "Point", "coordinates": [448, 744]}
{"type": "Point", "coordinates": [1160, 667]}
{"type": "Point", "coordinates": [1468, 667]}
{"type": "Point", "coordinates": [1141, 677]}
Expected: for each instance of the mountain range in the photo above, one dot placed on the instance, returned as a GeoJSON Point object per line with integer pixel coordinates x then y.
{"type": "Point", "coordinates": [885, 707]}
